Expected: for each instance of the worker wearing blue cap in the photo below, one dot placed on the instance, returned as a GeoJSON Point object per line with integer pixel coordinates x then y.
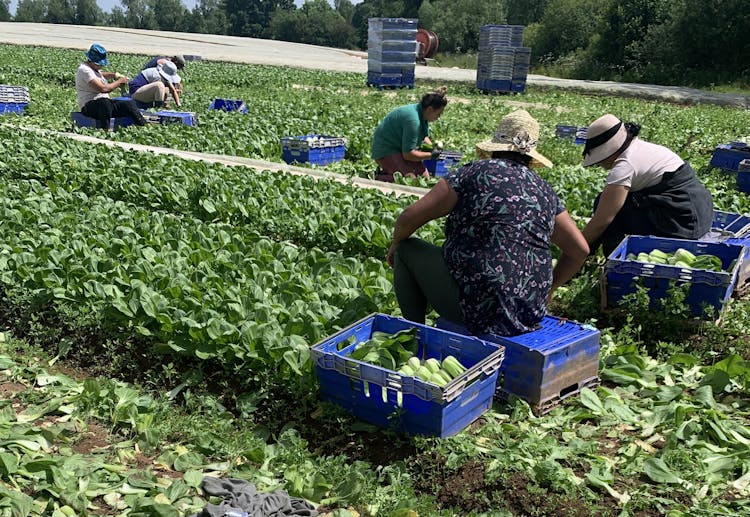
{"type": "Point", "coordinates": [93, 89]}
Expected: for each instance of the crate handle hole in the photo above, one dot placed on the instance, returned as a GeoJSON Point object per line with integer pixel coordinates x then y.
{"type": "Point", "coordinates": [570, 389]}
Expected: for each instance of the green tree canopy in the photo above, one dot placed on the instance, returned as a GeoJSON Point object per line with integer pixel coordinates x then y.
{"type": "Point", "coordinates": [253, 17]}
{"type": "Point", "coordinates": [457, 22]}
{"type": "Point", "coordinates": [4, 10]}
{"type": "Point", "coordinates": [315, 23]}
{"type": "Point", "coordinates": [31, 11]}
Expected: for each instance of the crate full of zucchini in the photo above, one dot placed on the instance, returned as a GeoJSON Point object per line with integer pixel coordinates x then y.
{"type": "Point", "coordinates": [708, 269]}
{"type": "Point", "coordinates": [413, 378]}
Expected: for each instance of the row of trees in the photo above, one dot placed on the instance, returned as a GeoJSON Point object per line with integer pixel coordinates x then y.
{"type": "Point", "coordinates": [678, 42]}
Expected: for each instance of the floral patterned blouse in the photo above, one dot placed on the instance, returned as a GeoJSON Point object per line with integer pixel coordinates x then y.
{"type": "Point", "coordinates": [497, 245]}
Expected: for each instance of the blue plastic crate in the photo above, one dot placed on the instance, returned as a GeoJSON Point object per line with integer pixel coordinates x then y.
{"type": "Point", "coordinates": [81, 120]}
{"type": "Point", "coordinates": [7, 108]}
{"type": "Point", "coordinates": [443, 164]}
{"type": "Point", "coordinates": [730, 225]}
{"type": "Point", "coordinates": [743, 175]}
{"type": "Point", "coordinates": [392, 23]}
{"type": "Point", "coordinates": [733, 228]}
{"type": "Point", "coordinates": [578, 134]}
{"type": "Point", "coordinates": [707, 288]}
{"type": "Point", "coordinates": [580, 138]}
{"type": "Point", "coordinates": [494, 85]}
{"type": "Point", "coordinates": [315, 149]}
{"type": "Point", "coordinates": [546, 365]}
{"type": "Point", "coordinates": [564, 131]}
{"type": "Point", "coordinates": [728, 156]}
{"type": "Point", "coordinates": [388, 69]}
{"type": "Point", "coordinates": [393, 45]}
{"type": "Point", "coordinates": [391, 400]}
{"type": "Point", "coordinates": [167, 117]}
{"type": "Point", "coordinates": [390, 80]}
{"type": "Point", "coordinates": [390, 56]}
{"type": "Point", "coordinates": [228, 105]}
{"type": "Point", "coordinates": [518, 86]}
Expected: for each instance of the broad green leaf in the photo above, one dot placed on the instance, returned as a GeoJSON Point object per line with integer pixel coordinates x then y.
{"type": "Point", "coordinates": [19, 503]}
{"type": "Point", "coordinates": [734, 366]}
{"type": "Point", "coordinates": [717, 380]}
{"type": "Point", "coordinates": [188, 461]}
{"type": "Point", "coordinates": [590, 399]}
{"type": "Point", "coordinates": [8, 464]}
{"type": "Point", "coordinates": [658, 471]}
{"type": "Point", "coordinates": [704, 396]}
{"type": "Point", "coordinates": [193, 478]}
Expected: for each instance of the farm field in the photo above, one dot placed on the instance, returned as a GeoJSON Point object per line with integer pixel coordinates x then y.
{"type": "Point", "coordinates": [157, 316]}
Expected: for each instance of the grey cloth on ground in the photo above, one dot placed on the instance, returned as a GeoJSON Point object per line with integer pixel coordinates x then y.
{"type": "Point", "coordinates": [241, 496]}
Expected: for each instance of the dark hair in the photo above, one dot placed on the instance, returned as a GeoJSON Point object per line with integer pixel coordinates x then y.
{"type": "Point", "coordinates": [521, 158]}
{"type": "Point", "coordinates": [436, 99]}
{"type": "Point", "coordinates": [632, 130]}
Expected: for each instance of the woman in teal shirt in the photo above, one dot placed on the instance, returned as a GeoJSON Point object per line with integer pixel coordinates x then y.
{"type": "Point", "coordinates": [399, 136]}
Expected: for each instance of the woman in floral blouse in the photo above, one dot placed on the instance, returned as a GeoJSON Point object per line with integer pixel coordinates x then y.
{"type": "Point", "coordinates": [494, 272]}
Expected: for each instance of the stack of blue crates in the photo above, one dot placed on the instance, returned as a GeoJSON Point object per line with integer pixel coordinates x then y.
{"type": "Point", "coordinates": [734, 157]}
{"type": "Point", "coordinates": [503, 64]}
{"type": "Point", "coordinates": [546, 365]}
{"type": "Point", "coordinates": [391, 52]}
{"type": "Point", "coordinates": [314, 149]}
{"type": "Point", "coordinates": [13, 99]}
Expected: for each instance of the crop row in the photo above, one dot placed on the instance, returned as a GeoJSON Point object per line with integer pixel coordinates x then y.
{"type": "Point", "coordinates": [285, 101]}
{"type": "Point", "coordinates": [309, 212]}
{"type": "Point", "coordinates": [196, 288]}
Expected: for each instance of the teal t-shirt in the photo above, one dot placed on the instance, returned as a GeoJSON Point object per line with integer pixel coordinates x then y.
{"type": "Point", "coordinates": [401, 131]}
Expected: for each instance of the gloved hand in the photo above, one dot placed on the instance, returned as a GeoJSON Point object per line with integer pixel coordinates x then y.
{"type": "Point", "coordinates": [435, 154]}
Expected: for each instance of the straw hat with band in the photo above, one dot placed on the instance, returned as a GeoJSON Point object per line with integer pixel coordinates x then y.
{"type": "Point", "coordinates": [605, 137]}
{"type": "Point", "coordinates": [517, 132]}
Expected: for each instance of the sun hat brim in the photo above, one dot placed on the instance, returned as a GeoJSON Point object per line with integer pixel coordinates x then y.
{"type": "Point", "coordinates": [485, 150]}
{"type": "Point", "coordinates": [170, 78]}
{"type": "Point", "coordinates": [601, 152]}
{"type": "Point", "coordinates": [97, 60]}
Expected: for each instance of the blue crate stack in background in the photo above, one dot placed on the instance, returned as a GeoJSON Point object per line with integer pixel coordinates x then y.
{"type": "Point", "coordinates": [391, 52]}
{"type": "Point", "coordinates": [734, 157]}
{"type": "Point", "coordinates": [313, 149]}
{"type": "Point", "coordinates": [13, 99]}
{"type": "Point", "coordinates": [443, 164]}
{"type": "Point", "coordinates": [502, 64]}
{"type": "Point", "coordinates": [578, 134]}
{"type": "Point", "coordinates": [228, 105]}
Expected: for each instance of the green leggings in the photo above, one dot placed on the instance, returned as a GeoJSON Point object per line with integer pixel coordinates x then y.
{"type": "Point", "coordinates": [421, 278]}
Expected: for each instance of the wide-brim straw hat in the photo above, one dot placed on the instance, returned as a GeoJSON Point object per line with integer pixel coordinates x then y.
{"type": "Point", "coordinates": [604, 137]}
{"type": "Point", "coordinates": [517, 132]}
